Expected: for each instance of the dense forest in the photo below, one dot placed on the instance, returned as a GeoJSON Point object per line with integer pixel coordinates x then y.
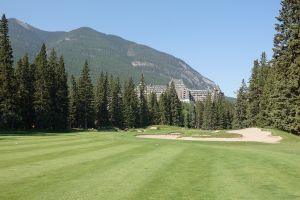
{"type": "Point", "coordinates": [40, 95]}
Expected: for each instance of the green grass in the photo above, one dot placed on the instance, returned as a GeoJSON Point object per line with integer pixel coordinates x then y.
{"type": "Point", "coordinates": [117, 165]}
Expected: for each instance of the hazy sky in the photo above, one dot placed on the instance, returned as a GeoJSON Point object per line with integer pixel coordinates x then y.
{"type": "Point", "coordinates": [218, 38]}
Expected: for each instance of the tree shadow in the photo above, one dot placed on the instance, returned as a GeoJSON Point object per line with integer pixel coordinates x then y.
{"type": "Point", "coordinates": [36, 132]}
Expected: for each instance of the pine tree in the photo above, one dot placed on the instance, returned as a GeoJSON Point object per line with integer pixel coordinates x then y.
{"type": "Point", "coordinates": [42, 101]}
{"type": "Point", "coordinates": [192, 116]}
{"type": "Point", "coordinates": [115, 107]}
{"type": "Point", "coordinates": [130, 105]}
{"type": "Point", "coordinates": [241, 107]}
{"type": "Point", "coordinates": [101, 101]}
{"type": "Point", "coordinates": [86, 98]}
{"type": "Point", "coordinates": [25, 91]}
{"type": "Point", "coordinates": [143, 107]}
{"type": "Point", "coordinates": [176, 117]}
{"type": "Point", "coordinates": [229, 110]}
{"type": "Point", "coordinates": [208, 113]}
{"type": "Point", "coordinates": [164, 109]}
{"type": "Point", "coordinates": [74, 105]}
{"type": "Point", "coordinates": [221, 122]}
{"type": "Point", "coordinates": [254, 95]}
{"type": "Point", "coordinates": [153, 109]}
{"type": "Point", "coordinates": [51, 86]}
{"type": "Point", "coordinates": [62, 95]}
{"type": "Point", "coordinates": [199, 114]}
{"type": "Point", "coordinates": [285, 96]}
{"type": "Point", "coordinates": [266, 88]}
{"type": "Point", "coordinates": [187, 120]}
{"type": "Point", "coordinates": [8, 112]}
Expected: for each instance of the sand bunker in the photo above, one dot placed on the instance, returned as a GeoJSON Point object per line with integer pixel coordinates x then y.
{"type": "Point", "coordinates": [248, 135]}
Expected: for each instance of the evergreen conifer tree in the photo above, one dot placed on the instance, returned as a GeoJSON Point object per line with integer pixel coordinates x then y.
{"type": "Point", "coordinates": [115, 107]}
{"type": "Point", "coordinates": [285, 96]}
{"type": "Point", "coordinates": [86, 98]}
{"type": "Point", "coordinates": [25, 91]}
{"type": "Point", "coordinates": [176, 117]}
{"type": "Point", "coordinates": [254, 95]}
{"type": "Point", "coordinates": [42, 101]}
{"type": "Point", "coordinates": [8, 112]}
{"type": "Point", "coordinates": [62, 95]}
{"type": "Point", "coordinates": [143, 106]}
{"type": "Point", "coordinates": [208, 113]}
{"type": "Point", "coordinates": [199, 109]}
{"type": "Point", "coordinates": [130, 105]}
{"type": "Point", "coordinates": [164, 109]}
{"type": "Point", "coordinates": [153, 106]}
{"type": "Point", "coordinates": [51, 86]}
{"type": "Point", "coordinates": [74, 104]}
{"type": "Point", "coordinates": [241, 107]}
{"type": "Point", "coordinates": [101, 100]}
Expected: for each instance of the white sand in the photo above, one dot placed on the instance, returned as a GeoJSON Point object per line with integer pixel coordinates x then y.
{"type": "Point", "coordinates": [248, 135]}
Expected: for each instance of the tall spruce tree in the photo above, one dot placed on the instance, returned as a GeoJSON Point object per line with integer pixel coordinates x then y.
{"type": "Point", "coordinates": [143, 106]}
{"type": "Point", "coordinates": [176, 117]}
{"type": "Point", "coordinates": [115, 106]}
{"type": "Point", "coordinates": [8, 112]}
{"type": "Point", "coordinates": [220, 113]}
{"type": "Point", "coordinates": [164, 109]}
{"type": "Point", "coordinates": [62, 95]}
{"type": "Point", "coordinates": [86, 98]}
{"type": "Point", "coordinates": [254, 95]}
{"type": "Point", "coordinates": [265, 78]}
{"type": "Point", "coordinates": [25, 92]}
{"type": "Point", "coordinates": [285, 96]}
{"type": "Point", "coordinates": [42, 101]}
{"type": "Point", "coordinates": [101, 101]}
{"type": "Point", "coordinates": [229, 110]}
{"type": "Point", "coordinates": [208, 113]}
{"type": "Point", "coordinates": [51, 86]}
{"type": "Point", "coordinates": [74, 108]}
{"type": "Point", "coordinates": [154, 117]}
{"type": "Point", "coordinates": [199, 109]}
{"type": "Point", "coordinates": [130, 105]}
{"type": "Point", "coordinates": [241, 107]}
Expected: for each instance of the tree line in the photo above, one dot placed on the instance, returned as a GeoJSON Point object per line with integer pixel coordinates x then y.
{"type": "Point", "coordinates": [213, 113]}
{"type": "Point", "coordinates": [37, 95]}
{"type": "Point", "coordinates": [272, 98]}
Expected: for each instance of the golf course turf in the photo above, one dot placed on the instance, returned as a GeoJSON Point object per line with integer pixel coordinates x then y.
{"type": "Point", "coordinates": [117, 165]}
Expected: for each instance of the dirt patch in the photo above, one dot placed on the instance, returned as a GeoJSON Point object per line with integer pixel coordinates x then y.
{"type": "Point", "coordinates": [248, 135]}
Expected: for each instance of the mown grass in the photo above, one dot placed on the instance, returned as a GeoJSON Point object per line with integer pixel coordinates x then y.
{"type": "Point", "coordinates": [117, 165]}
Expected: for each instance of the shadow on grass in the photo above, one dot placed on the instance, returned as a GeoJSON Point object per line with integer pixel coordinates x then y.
{"type": "Point", "coordinates": [41, 132]}
{"type": "Point", "coordinates": [36, 132]}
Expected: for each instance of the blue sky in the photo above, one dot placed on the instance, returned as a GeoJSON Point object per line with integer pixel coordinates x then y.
{"type": "Point", "coordinates": [218, 38]}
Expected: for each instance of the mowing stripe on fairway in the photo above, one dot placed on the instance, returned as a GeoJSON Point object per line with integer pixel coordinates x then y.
{"type": "Point", "coordinates": [125, 173]}
{"type": "Point", "coordinates": [49, 154]}
{"type": "Point", "coordinates": [34, 169]}
{"type": "Point", "coordinates": [21, 146]}
{"type": "Point", "coordinates": [70, 173]}
{"type": "Point", "coordinates": [47, 147]}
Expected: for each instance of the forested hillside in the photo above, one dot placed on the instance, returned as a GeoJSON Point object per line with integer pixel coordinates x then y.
{"type": "Point", "coordinates": [109, 53]}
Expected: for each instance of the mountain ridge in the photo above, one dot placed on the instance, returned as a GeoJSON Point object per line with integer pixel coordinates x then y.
{"type": "Point", "coordinates": [105, 52]}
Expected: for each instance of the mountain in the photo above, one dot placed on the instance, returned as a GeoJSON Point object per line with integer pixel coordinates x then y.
{"type": "Point", "coordinates": [105, 53]}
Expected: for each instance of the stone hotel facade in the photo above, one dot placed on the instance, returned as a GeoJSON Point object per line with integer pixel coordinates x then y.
{"type": "Point", "coordinates": [185, 94]}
